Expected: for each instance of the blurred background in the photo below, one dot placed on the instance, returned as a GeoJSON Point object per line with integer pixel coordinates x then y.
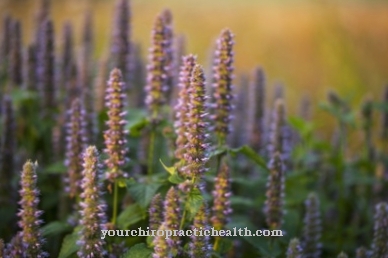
{"type": "Point", "coordinates": [309, 47]}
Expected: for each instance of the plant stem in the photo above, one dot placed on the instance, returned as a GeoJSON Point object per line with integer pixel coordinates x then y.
{"type": "Point", "coordinates": [185, 210]}
{"type": "Point", "coordinates": [115, 202]}
{"type": "Point", "coordinates": [216, 244]}
{"type": "Point", "coordinates": [151, 152]}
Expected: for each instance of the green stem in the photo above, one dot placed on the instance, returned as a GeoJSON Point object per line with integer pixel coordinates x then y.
{"type": "Point", "coordinates": [151, 152]}
{"type": "Point", "coordinates": [185, 210]}
{"type": "Point", "coordinates": [216, 244]}
{"type": "Point", "coordinates": [115, 202]}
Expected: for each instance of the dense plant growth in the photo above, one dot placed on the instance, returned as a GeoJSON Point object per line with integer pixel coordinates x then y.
{"type": "Point", "coordinates": [165, 143]}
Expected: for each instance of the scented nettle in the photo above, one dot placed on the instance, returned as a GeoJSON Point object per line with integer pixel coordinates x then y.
{"type": "Point", "coordinates": [198, 159]}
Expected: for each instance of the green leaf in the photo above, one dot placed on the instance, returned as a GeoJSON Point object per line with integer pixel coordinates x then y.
{"type": "Point", "coordinates": [217, 152]}
{"type": "Point", "coordinates": [137, 121]}
{"type": "Point", "coordinates": [55, 228]}
{"type": "Point", "coordinates": [193, 202]}
{"type": "Point", "coordinates": [142, 193]}
{"type": "Point", "coordinates": [69, 245]}
{"type": "Point", "coordinates": [131, 215]}
{"type": "Point", "coordinates": [251, 154]}
{"type": "Point", "coordinates": [303, 127]}
{"type": "Point", "coordinates": [138, 251]}
{"type": "Point", "coordinates": [170, 170]}
{"type": "Point", "coordinates": [242, 201]}
{"type": "Point", "coordinates": [175, 179]}
{"type": "Point", "coordinates": [56, 168]}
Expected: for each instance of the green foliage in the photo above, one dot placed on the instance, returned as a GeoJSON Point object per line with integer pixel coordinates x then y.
{"type": "Point", "coordinates": [69, 246]}
{"type": "Point", "coordinates": [130, 216]}
{"type": "Point", "coordinates": [138, 251]}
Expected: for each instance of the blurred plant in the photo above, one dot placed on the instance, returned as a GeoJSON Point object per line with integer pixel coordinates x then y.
{"type": "Point", "coordinates": [120, 50]}
{"type": "Point", "coordinates": [380, 236]}
{"type": "Point", "coordinates": [156, 212]}
{"type": "Point", "coordinates": [76, 143]}
{"type": "Point", "coordinates": [294, 249]}
{"type": "Point", "coordinates": [312, 228]}
{"type": "Point", "coordinates": [257, 109]}
{"type": "Point", "coordinates": [275, 193]}
{"type": "Point", "coordinates": [362, 252]}
{"type": "Point", "coordinates": [200, 245]}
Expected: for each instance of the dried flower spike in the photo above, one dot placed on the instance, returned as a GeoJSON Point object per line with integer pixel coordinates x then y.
{"type": "Point", "coordinates": [380, 235]}
{"type": "Point", "coordinates": [312, 228]}
{"type": "Point", "coordinates": [200, 245]}
{"type": "Point", "coordinates": [182, 106]}
{"type": "Point", "coordinates": [115, 135]}
{"type": "Point", "coordinates": [156, 212]}
{"type": "Point", "coordinates": [76, 142]}
{"type": "Point", "coordinates": [158, 67]}
{"type": "Point", "coordinates": [294, 249]}
{"type": "Point", "coordinates": [93, 218]}
{"type": "Point", "coordinates": [275, 193]}
{"type": "Point", "coordinates": [195, 154]}
{"type": "Point", "coordinates": [222, 84]}
{"type": "Point", "coordinates": [221, 198]}
{"type": "Point", "coordinates": [29, 214]}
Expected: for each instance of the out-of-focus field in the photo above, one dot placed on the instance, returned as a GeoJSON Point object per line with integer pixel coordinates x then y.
{"type": "Point", "coordinates": [311, 47]}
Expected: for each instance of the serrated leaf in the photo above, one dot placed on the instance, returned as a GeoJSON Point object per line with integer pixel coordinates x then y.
{"type": "Point", "coordinates": [131, 215]}
{"type": "Point", "coordinates": [170, 170]}
{"type": "Point", "coordinates": [69, 246]}
{"type": "Point", "coordinates": [142, 193]}
{"type": "Point", "coordinates": [138, 251]}
{"type": "Point", "coordinates": [193, 202]}
{"type": "Point", "coordinates": [55, 228]}
{"type": "Point", "coordinates": [251, 154]}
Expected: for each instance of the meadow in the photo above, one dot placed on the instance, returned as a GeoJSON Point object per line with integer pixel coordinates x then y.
{"type": "Point", "coordinates": [173, 115]}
